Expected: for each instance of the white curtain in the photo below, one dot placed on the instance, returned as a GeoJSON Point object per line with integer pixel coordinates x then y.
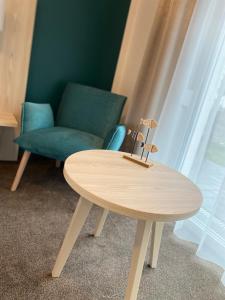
{"type": "Point", "coordinates": [191, 133]}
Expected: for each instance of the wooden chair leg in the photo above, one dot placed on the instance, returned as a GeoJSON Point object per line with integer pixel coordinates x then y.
{"type": "Point", "coordinates": [77, 222]}
{"type": "Point", "coordinates": [100, 222]}
{"type": "Point", "coordinates": [57, 163]}
{"type": "Point", "coordinates": [157, 229]}
{"type": "Point", "coordinates": [138, 258]}
{"type": "Point", "coordinates": [20, 170]}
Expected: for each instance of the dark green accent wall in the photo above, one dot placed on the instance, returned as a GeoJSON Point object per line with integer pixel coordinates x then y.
{"type": "Point", "coordinates": [74, 40]}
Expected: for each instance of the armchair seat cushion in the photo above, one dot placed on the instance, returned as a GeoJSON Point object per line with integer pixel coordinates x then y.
{"type": "Point", "coordinates": [58, 142]}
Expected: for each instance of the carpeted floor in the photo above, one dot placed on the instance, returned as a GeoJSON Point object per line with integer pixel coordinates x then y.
{"type": "Point", "coordinates": [33, 222]}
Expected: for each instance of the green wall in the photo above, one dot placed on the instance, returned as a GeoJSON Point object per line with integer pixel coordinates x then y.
{"type": "Point", "coordinates": [74, 40]}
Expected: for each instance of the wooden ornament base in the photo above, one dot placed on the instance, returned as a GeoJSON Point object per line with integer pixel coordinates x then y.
{"type": "Point", "coordinates": [138, 161]}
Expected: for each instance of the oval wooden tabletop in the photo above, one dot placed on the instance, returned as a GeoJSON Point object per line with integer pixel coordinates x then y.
{"type": "Point", "coordinates": [107, 179]}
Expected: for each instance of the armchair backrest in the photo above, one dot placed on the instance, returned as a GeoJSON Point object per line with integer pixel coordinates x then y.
{"type": "Point", "coordinates": [89, 109]}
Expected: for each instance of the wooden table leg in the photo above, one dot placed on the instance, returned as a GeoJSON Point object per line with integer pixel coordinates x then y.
{"type": "Point", "coordinates": [76, 224]}
{"type": "Point", "coordinates": [100, 221]}
{"type": "Point", "coordinates": [157, 229]}
{"type": "Point", "coordinates": [138, 258]}
{"type": "Point", "coordinates": [19, 173]}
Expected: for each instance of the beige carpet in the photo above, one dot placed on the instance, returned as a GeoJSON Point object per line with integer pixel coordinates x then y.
{"type": "Point", "coordinates": [33, 222]}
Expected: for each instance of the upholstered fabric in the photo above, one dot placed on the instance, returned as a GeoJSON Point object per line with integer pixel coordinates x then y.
{"type": "Point", "coordinates": [36, 116]}
{"type": "Point", "coordinates": [87, 118]}
{"type": "Point", "coordinates": [58, 142]}
{"type": "Point", "coordinates": [115, 137]}
{"type": "Point", "coordinates": [89, 109]}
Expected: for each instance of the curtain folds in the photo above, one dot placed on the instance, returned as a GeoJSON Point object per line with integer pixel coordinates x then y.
{"type": "Point", "coordinates": [152, 42]}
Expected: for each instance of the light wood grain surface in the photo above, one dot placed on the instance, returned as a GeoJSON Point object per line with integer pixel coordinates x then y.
{"type": "Point", "coordinates": [15, 49]}
{"type": "Point", "coordinates": [112, 182]}
{"type": "Point", "coordinates": [8, 120]}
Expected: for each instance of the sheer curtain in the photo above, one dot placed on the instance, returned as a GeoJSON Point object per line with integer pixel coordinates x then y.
{"type": "Point", "coordinates": [191, 133]}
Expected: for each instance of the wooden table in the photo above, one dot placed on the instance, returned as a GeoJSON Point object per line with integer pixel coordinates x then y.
{"type": "Point", "coordinates": [151, 195]}
{"type": "Point", "coordinates": [8, 120]}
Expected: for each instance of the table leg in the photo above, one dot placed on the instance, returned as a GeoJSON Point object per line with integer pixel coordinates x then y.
{"type": "Point", "coordinates": [157, 229]}
{"type": "Point", "coordinates": [138, 258]}
{"type": "Point", "coordinates": [76, 224]}
{"type": "Point", "coordinates": [100, 221]}
{"type": "Point", "coordinates": [20, 170]}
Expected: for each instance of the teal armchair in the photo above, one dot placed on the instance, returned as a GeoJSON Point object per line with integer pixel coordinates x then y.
{"type": "Point", "coordinates": [87, 118]}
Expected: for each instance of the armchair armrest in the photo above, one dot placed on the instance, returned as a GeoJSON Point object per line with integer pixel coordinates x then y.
{"type": "Point", "coordinates": [114, 138]}
{"type": "Point", "coordinates": [36, 116]}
